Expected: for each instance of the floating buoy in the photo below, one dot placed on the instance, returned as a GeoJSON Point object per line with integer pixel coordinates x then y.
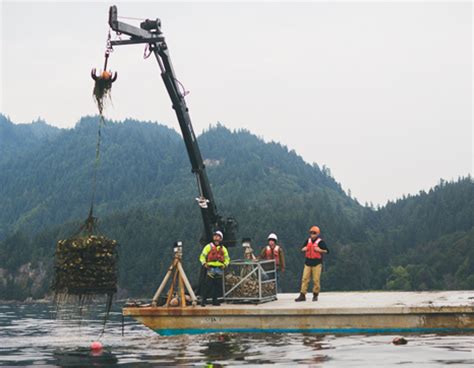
{"type": "Point", "coordinates": [223, 338]}
{"type": "Point", "coordinates": [399, 341]}
{"type": "Point", "coordinates": [96, 346]}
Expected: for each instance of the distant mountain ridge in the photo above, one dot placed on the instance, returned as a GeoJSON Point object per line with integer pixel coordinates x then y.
{"type": "Point", "coordinates": [17, 139]}
{"type": "Point", "coordinates": [146, 199]}
{"type": "Point", "coordinates": [58, 188]}
{"type": "Point", "coordinates": [140, 163]}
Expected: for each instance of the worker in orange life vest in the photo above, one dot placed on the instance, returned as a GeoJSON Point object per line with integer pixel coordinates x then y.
{"type": "Point", "coordinates": [274, 251]}
{"type": "Point", "coordinates": [214, 257]}
{"type": "Point", "coordinates": [314, 248]}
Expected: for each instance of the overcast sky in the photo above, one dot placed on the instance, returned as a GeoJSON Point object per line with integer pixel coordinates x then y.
{"type": "Point", "coordinates": [381, 93]}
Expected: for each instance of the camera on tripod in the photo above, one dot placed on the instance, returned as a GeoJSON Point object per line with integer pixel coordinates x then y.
{"type": "Point", "coordinates": [178, 247]}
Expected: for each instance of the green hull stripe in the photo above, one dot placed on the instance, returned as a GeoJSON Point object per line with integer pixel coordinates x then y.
{"type": "Point", "coordinates": [194, 331]}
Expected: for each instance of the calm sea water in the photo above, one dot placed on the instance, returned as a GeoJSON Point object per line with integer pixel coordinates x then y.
{"type": "Point", "coordinates": [31, 335]}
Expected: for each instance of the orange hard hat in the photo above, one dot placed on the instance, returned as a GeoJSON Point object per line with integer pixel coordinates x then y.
{"type": "Point", "coordinates": [315, 229]}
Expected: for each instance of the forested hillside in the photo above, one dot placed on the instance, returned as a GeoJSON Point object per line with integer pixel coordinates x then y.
{"type": "Point", "coordinates": [19, 139]}
{"type": "Point", "coordinates": [417, 243]}
{"type": "Point", "coordinates": [52, 184]}
{"type": "Point", "coordinates": [145, 200]}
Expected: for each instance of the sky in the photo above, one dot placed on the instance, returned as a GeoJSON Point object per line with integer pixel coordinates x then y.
{"type": "Point", "coordinates": [379, 92]}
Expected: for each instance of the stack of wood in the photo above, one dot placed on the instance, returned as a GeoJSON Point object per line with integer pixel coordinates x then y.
{"type": "Point", "coordinates": [86, 265]}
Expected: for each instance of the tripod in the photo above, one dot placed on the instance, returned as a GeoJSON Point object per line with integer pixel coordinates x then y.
{"type": "Point", "coordinates": [176, 269]}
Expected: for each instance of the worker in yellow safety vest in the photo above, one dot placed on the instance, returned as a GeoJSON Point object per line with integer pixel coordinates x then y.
{"type": "Point", "coordinates": [214, 257]}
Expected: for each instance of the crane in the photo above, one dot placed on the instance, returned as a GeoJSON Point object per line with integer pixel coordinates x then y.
{"type": "Point", "coordinates": [150, 33]}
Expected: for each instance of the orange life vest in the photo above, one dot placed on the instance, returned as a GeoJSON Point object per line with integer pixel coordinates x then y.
{"type": "Point", "coordinates": [273, 253]}
{"type": "Point", "coordinates": [215, 254]}
{"type": "Point", "coordinates": [311, 249]}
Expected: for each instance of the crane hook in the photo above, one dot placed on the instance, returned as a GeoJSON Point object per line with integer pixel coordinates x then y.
{"type": "Point", "coordinates": [105, 75]}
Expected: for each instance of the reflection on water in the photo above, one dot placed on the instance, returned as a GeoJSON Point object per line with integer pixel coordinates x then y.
{"type": "Point", "coordinates": [31, 336]}
{"type": "Point", "coordinates": [84, 357]}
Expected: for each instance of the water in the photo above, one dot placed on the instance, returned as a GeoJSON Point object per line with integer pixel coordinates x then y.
{"type": "Point", "coordinates": [31, 336]}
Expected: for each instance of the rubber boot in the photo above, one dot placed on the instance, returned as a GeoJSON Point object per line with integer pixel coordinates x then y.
{"type": "Point", "coordinates": [301, 298]}
{"type": "Point", "coordinates": [315, 297]}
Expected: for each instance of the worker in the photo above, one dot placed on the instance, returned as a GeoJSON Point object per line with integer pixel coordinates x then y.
{"type": "Point", "coordinates": [248, 251]}
{"type": "Point", "coordinates": [314, 248]}
{"type": "Point", "coordinates": [274, 251]}
{"type": "Point", "coordinates": [214, 257]}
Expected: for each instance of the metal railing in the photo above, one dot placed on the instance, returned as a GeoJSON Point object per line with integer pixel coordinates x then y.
{"type": "Point", "coordinates": [250, 281]}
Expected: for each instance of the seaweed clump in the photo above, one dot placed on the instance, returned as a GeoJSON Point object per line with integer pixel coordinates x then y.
{"type": "Point", "coordinates": [102, 89]}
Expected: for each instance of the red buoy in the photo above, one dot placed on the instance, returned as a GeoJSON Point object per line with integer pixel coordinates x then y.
{"type": "Point", "coordinates": [96, 346]}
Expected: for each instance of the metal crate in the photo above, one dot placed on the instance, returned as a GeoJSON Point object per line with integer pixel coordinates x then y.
{"type": "Point", "coordinates": [247, 281]}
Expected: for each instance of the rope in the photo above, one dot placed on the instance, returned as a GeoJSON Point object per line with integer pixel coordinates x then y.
{"type": "Point", "coordinates": [107, 312]}
{"type": "Point", "coordinates": [90, 223]}
{"type": "Point", "coordinates": [147, 52]}
{"type": "Point", "coordinates": [96, 164]}
{"type": "Point", "coordinates": [183, 91]}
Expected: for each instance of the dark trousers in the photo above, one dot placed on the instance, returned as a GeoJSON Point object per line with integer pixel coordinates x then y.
{"type": "Point", "coordinates": [212, 288]}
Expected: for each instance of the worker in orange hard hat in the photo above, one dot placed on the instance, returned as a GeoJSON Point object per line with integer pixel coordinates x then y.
{"type": "Point", "coordinates": [314, 248]}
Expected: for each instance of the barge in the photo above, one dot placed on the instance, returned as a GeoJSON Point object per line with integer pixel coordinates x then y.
{"type": "Point", "coordinates": [335, 312]}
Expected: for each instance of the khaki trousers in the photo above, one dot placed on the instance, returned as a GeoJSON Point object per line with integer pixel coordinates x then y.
{"type": "Point", "coordinates": [315, 272]}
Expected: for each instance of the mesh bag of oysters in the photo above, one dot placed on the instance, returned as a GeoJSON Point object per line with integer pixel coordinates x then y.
{"type": "Point", "coordinates": [85, 265]}
{"type": "Point", "coordinates": [249, 281]}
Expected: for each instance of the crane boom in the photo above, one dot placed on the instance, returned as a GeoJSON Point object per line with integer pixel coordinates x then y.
{"type": "Point", "coordinates": [150, 33]}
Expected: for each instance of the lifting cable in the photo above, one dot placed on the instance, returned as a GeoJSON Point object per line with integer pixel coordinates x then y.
{"type": "Point", "coordinates": [104, 81]}
{"type": "Point", "coordinates": [90, 224]}
{"type": "Point", "coordinates": [96, 168]}
{"type": "Point", "coordinates": [103, 84]}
